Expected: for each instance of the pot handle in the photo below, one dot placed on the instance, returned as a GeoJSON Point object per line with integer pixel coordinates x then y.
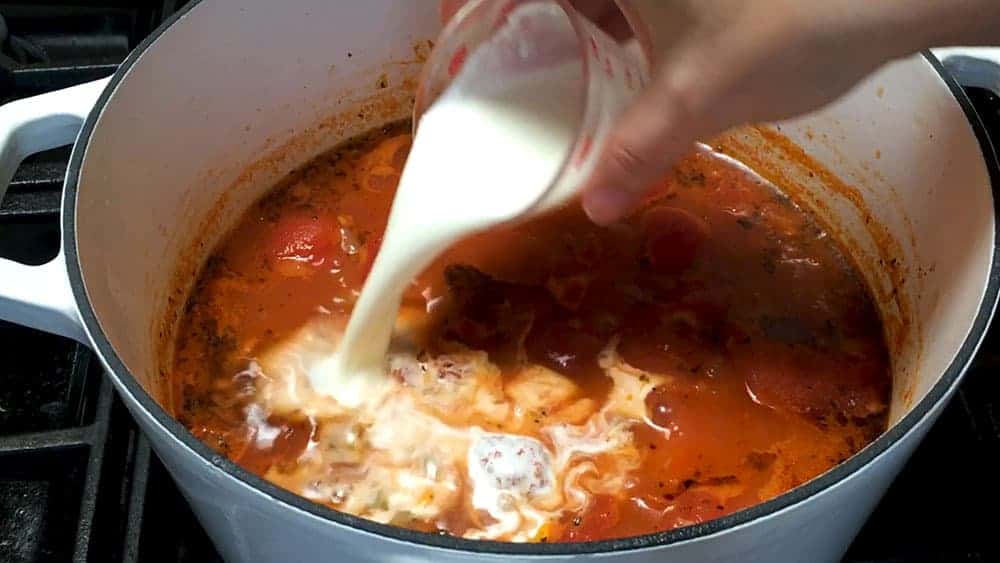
{"type": "Point", "coordinates": [40, 297]}
{"type": "Point", "coordinates": [977, 67]}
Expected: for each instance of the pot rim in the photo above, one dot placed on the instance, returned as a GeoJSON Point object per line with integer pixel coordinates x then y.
{"type": "Point", "coordinates": [127, 384]}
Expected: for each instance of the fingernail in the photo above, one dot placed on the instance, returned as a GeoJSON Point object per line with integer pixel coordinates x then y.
{"type": "Point", "coordinates": [607, 205]}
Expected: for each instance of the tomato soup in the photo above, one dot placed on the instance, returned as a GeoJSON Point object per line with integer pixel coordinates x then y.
{"type": "Point", "coordinates": [555, 380]}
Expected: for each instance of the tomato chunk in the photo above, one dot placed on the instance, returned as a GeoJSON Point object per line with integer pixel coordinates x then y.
{"type": "Point", "coordinates": [673, 238]}
{"type": "Point", "coordinates": [812, 382]}
{"type": "Point", "coordinates": [564, 349]}
{"type": "Point", "coordinates": [673, 338]}
{"type": "Point", "coordinates": [301, 240]}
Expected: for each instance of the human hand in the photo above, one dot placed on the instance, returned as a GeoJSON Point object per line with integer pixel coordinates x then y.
{"type": "Point", "coordinates": [720, 64]}
{"type": "Point", "coordinates": [723, 63]}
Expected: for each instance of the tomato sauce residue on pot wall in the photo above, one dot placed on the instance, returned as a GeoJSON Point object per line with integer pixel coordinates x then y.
{"type": "Point", "coordinates": [708, 353]}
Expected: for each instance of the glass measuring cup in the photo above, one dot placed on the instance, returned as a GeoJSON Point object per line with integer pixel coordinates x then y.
{"type": "Point", "coordinates": [612, 73]}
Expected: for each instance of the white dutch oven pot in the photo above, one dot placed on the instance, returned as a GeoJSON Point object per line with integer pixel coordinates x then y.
{"type": "Point", "coordinates": [229, 82]}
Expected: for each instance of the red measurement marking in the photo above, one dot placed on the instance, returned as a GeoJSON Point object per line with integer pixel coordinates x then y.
{"type": "Point", "coordinates": [504, 13]}
{"type": "Point", "coordinates": [457, 60]}
{"type": "Point", "coordinates": [585, 145]}
{"type": "Point", "coordinates": [507, 9]}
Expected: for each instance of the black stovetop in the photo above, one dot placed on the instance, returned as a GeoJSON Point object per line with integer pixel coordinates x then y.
{"type": "Point", "coordinates": [79, 483]}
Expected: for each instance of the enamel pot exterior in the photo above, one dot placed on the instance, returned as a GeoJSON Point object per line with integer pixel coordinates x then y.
{"type": "Point", "coordinates": [207, 114]}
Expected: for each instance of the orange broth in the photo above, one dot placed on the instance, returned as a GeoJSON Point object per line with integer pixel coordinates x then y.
{"type": "Point", "coordinates": [772, 339]}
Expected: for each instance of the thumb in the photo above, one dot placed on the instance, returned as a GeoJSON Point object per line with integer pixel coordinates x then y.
{"type": "Point", "coordinates": [656, 131]}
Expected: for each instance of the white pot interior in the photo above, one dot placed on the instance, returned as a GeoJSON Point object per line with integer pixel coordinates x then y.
{"type": "Point", "coordinates": [219, 109]}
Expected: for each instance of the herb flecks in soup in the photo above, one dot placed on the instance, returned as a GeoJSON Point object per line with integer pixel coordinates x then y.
{"type": "Point", "coordinates": [551, 380]}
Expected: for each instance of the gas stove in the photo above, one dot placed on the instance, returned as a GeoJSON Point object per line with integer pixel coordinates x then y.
{"type": "Point", "coordinates": [79, 483]}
